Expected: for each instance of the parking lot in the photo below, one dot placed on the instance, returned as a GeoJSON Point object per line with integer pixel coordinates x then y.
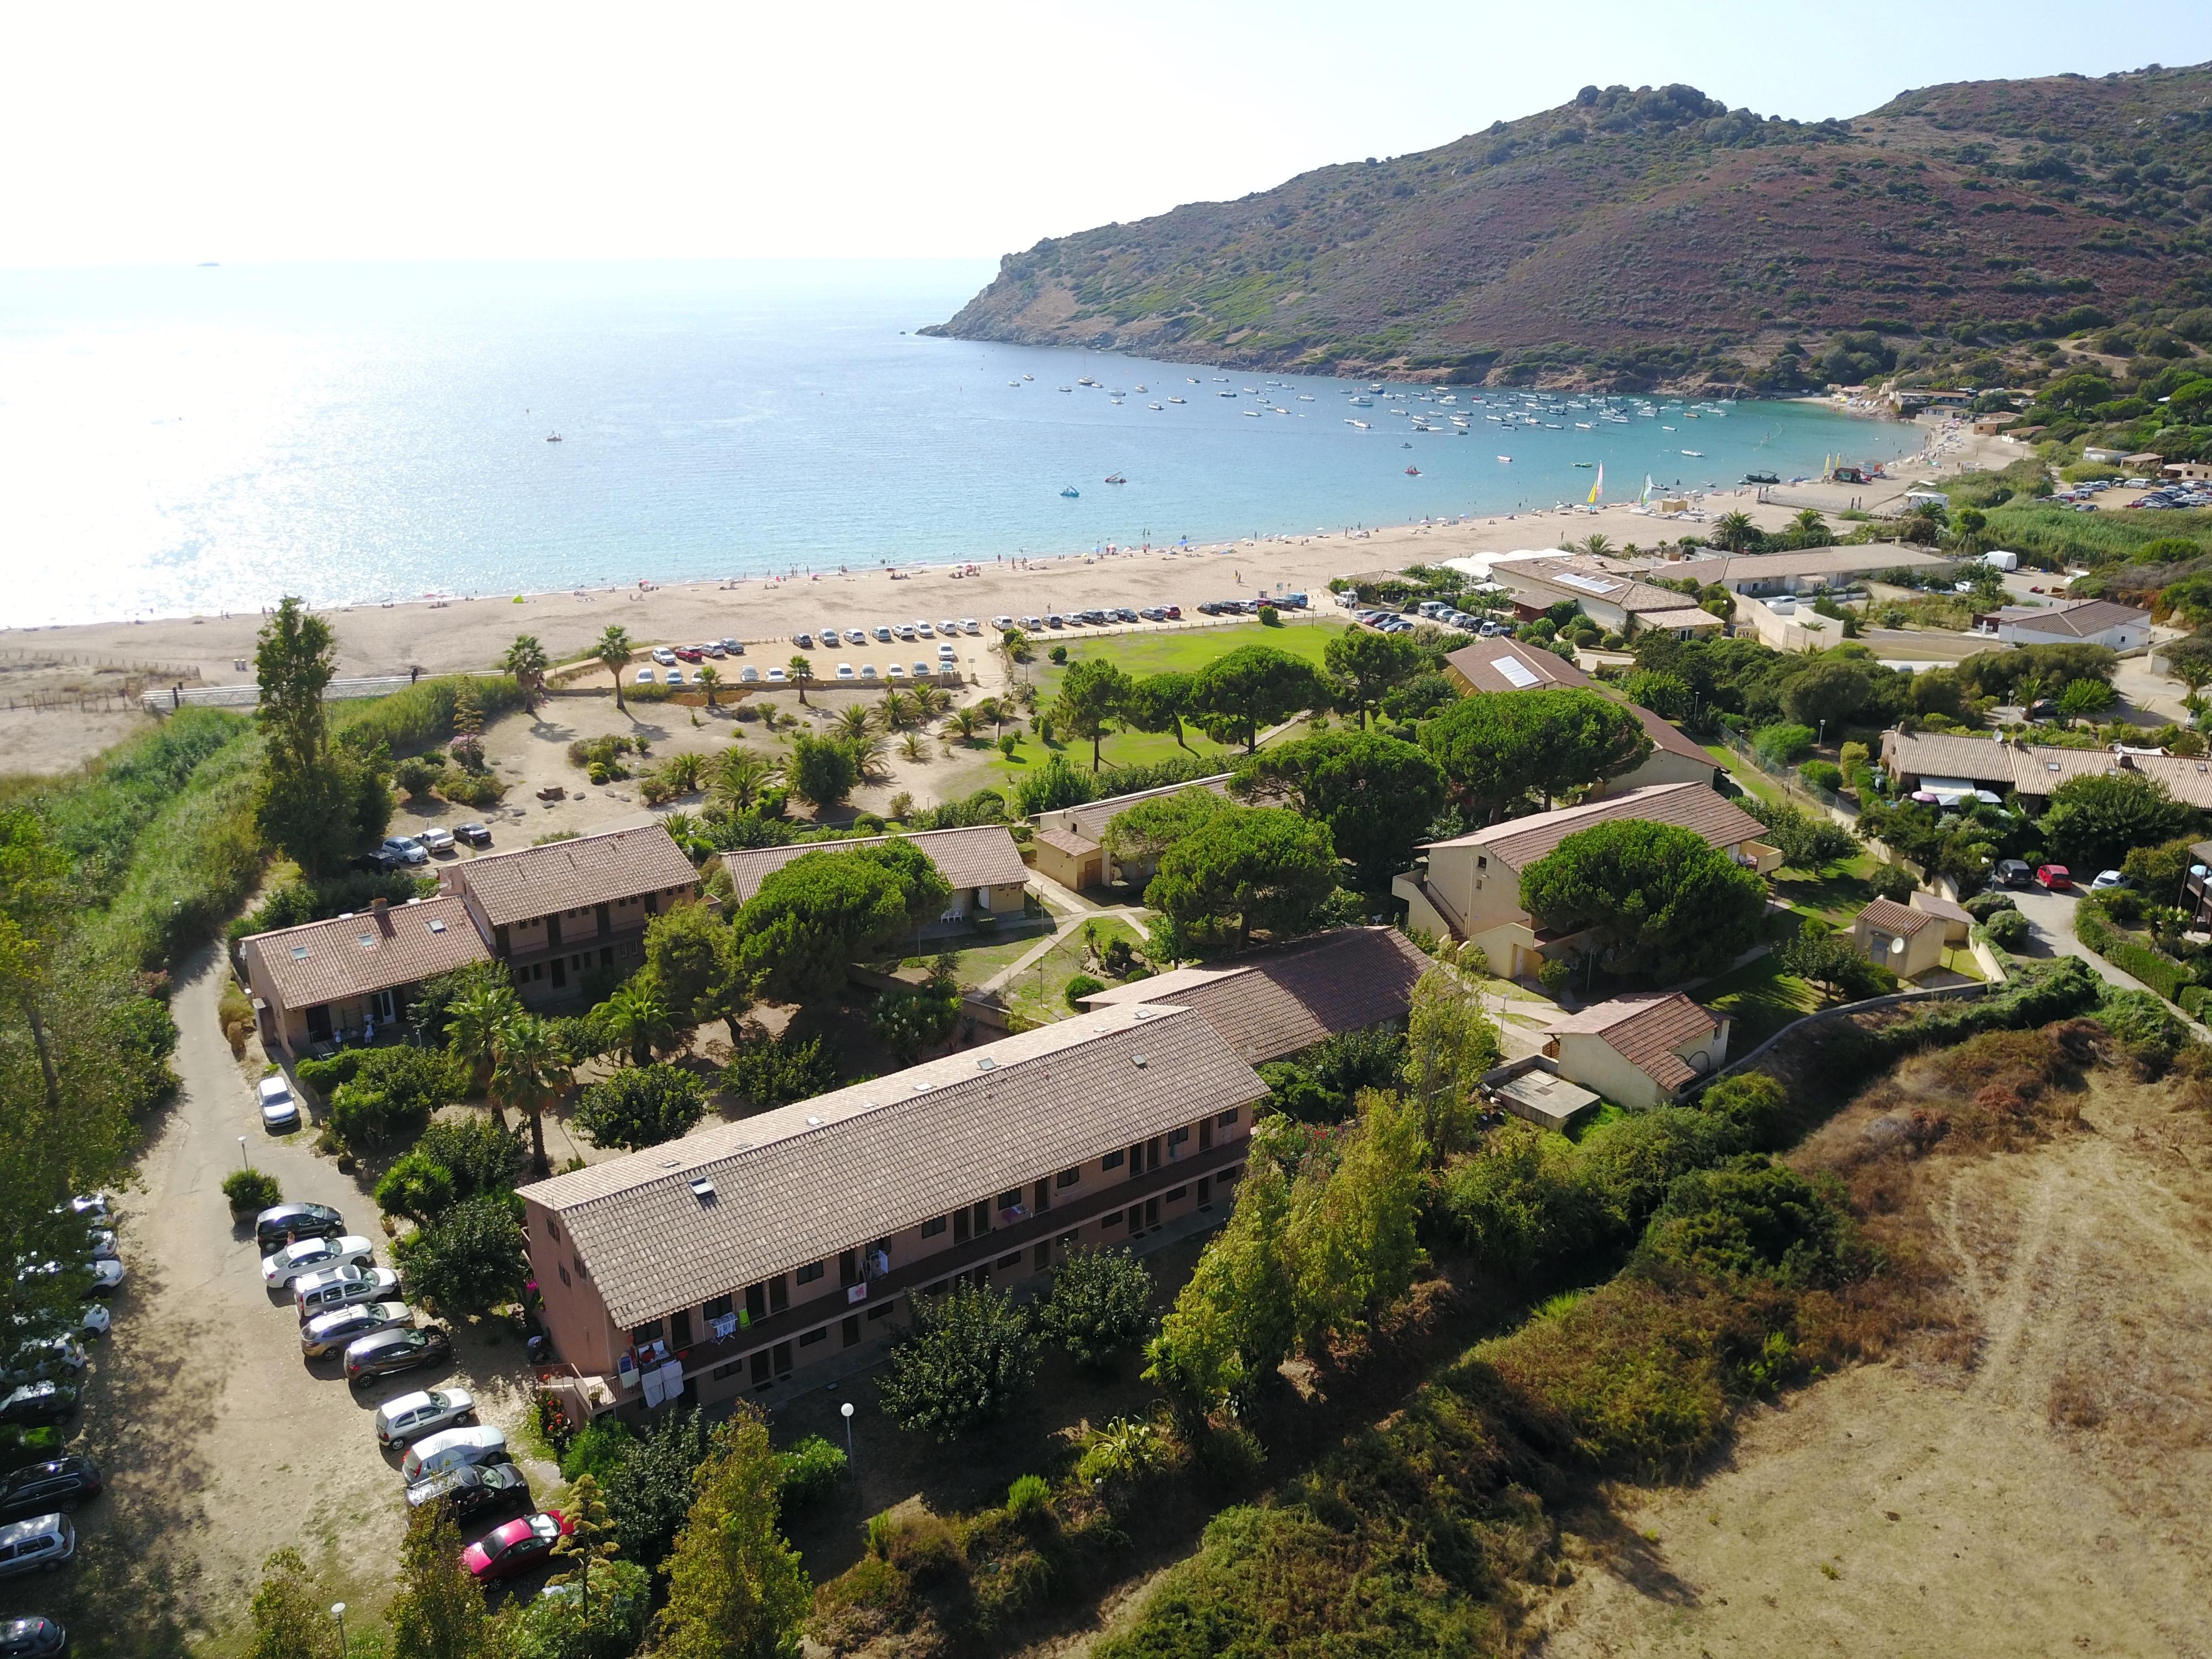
{"type": "Point", "coordinates": [219, 1443]}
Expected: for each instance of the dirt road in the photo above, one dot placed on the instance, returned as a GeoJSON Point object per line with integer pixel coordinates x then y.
{"type": "Point", "coordinates": [219, 1442]}
{"type": "Point", "coordinates": [2044, 1499]}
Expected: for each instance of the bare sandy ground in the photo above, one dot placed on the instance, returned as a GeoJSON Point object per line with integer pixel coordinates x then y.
{"type": "Point", "coordinates": [2046, 1498]}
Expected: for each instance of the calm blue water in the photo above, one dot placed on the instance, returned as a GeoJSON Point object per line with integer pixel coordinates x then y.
{"type": "Point", "coordinates": [180, 440]}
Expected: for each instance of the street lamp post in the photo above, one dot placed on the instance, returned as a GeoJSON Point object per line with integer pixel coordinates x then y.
{"type": "Point", "coordinates": [244, 1161]}
{"type": "Point", "coordinates": [337, 1611]}
{"type": "Point", "coordinates": [846, 1411]}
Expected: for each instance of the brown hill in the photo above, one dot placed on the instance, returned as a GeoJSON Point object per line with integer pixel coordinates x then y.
{"type": "Point", "coordinates": [1653, 237]}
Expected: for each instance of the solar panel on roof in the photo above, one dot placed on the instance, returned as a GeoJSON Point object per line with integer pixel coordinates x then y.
{"type": "Point", "coordinates": [1587, 584]}
{"type": "Point", "coordinates": [1516, 671]}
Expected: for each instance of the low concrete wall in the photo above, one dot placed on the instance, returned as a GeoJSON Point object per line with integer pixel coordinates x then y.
{"type": "Point", "coordinates": [1867, 1005]}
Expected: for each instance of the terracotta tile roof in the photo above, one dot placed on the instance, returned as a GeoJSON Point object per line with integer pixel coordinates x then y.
{"type": "Point", "coordinates": [1284, 1000]}
{"type": "Point", "coordinates": [1088, 822]}
{"type": "Point", "coordinates": [1645, 1028]}
{"type": "Point", "coordinates": [1942, 908]}
{"type": "Point", "coordinates": [1670, 738]}
{"type": "Point", "coordinates": [2036, 771]}
{"type": "Point", "coordinates": [1891, 917]}
{"type": "Point", "coordinates": [981, 855]}
{"type": "Point", "coordinates": [570, 875]}
{"type": "Point", "coordinates": [807, 1181]}
{"type": "Point", "coordinates": [1067, 841]}
{"type": "Point", "coordinates": [1593, 580]}
{"type": "Point", "coordinates": [1519, 842]}
{"type": "Point", "coordinates": [320, 962]}
{"type": "Point", "coordinates": [1948, 755]}
{"type": "Point", "coordinates": [1478, 664]}
{"type": "Point", "coordinates": [2073, 621]}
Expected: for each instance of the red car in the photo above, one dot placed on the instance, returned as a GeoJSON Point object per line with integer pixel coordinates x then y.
{"type": "Point", "coordinates": [690, 652]}
{"type": "Point", "coordinates": [517, 1547]}
{"type": "Point", "coordinates": [1175, 613]}
{"type": "Point", "coordinates": [2056, 877]}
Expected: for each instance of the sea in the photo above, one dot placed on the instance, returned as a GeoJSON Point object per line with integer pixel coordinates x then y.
{"type": "Point", "coordinates": [184, 441]}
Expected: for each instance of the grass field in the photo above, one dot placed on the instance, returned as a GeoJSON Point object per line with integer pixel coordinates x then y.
{"type": "Point", "coordinates": [1038, 992]}
{"type": "Point", "coordinates": [1152, 653]}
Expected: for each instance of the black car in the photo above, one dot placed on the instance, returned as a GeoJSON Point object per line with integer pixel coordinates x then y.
{"type": "Point", "coordinates": [473, 1489]}
{"type": "Point", "coordinates": [275, 1227]}
{"type": "Point", "coordinates": [39, 1403]}
{"type": "Point", "coordinates": [390, 1352]}
{"type": "Point", "coordinates": [474, 835]}
{"type": "Point", "coordinates": [31, 1638]}
{"type": "Point", "coordinates": [44, 1487]}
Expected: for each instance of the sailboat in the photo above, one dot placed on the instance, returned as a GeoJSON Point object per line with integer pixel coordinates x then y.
{"type": "Point", "coordinates": [1116, 477]}
{"type": "Point", "coordinates": [1071, 493]}
{"type": "Point", "coordinates": [552, 437]}
{"type": "Point", "coordinates": [1598, 487]}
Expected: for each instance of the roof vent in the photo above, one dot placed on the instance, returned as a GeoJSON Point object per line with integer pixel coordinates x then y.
{"type": "Point", "coordinates": [670, 1162]}
{"type": "Point", "coordinates": [1137, 1059]}
{"type": "Point", "coordinates": [812, 1122]}
{"type": "Point", "coordinates": [437, 924]}
{"type": "Point", "coordinates": [985, 1063]}
{"type": "Point", "coordinates": [1146, 1014]}
{"type": "Point", "coordinates": [923, 1088]}
{"type": "Point", "coordinates": [702, 1189]}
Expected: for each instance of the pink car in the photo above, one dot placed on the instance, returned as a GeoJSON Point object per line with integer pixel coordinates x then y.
{"type": "Point", "coordinates": [517, 1547]}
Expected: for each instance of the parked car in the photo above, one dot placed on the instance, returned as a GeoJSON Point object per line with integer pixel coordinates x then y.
{"type": "Point", "coordinates": [389, 1352]}
{"type": "Point", "coordinates": [2013, 872]}
{"type": "Point", "coordinates": [734, 648]}
{"type": "Point", "coordinates": [342, 1287]}
{"type": "Point", "coordinates": [646, 677]}
{"type": "Point", "coordinates": [517, 1547]}
{"type": "Point", "coordinates": [2107, 880]}
{"type": "Point", "coordinates": [411, 1416]}
{"type": "Point", "coordinates": [777, 677]}
{"type": "Point", "coordinates": [1174, 612]}
{"type": "Point", "coordinates": [35, 1637]}
{"type": "Point", "coordinates": [830, 637]}
{"type": "Point", "coordinates": [37, 1403]}
{"type": "Point", "coordinates": [399, 850]}
{"type": "Point", "coordinates": [2055, 877]}
{"type": "Point", "coordinates": [472, 1489]}
{"type": "Point", "coordinates": [437, 839]}
{"type": "Point", "coordinates": [663, 655]}
{"type": "Point", "coordinates": [94, 1321]}
{"type": "Point", "coordinates": [749, 674]}
{"type": "Point", "coordinates": [969, 625]}
{"type": "Point", "coordinates": [803, 639]}
{"type": "Point", "coordinates": [676, 677]}
{"type": "Point", "coordinates": [715, 649]}
{"type": "Point", "coordinates": [280, 1113]}
{"type": "Point", "coordinates": [1153, 613]}
{"type": "Point", "coordinates": [1002, 623]}
{"type": "Point", "coordinates": [101, 1244]}
{"type": "Point", "coordinates": [844, 671]}
{"type": "Point", "coordinates": [947, 629]}
{"type": "Point", "coordinates": [284, 1223]}
{"type": "Point", "coordinates": [43, 1488]}
{"type": "Point", "coordinates": [337, 1328]}
{"type": "Point", "coordinates": [45, 1544]}
{"type": "Point", "coordinates": [690, 653]}
{"type": "Point", "coordinates": [106, 1278]}
{"type": "Point", "coordinates": [93, 1207]}
{"type": "Point", "coordinates": [451, 1448]}
{"type": "Point", "coordinates": [474, 834]}
{"type": "Point", "coordinates": [1030, 624]}
{"type": "Point", "coordinates": [57, 1356]}
{"type": "Point", "coordinates": [314, 1255]}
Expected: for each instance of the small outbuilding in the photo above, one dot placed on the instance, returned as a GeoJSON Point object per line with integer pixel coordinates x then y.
{"type": "Point", "coordinates": [1908, 942]}
{"type": "Point", "coordinates": [1640, 1050]}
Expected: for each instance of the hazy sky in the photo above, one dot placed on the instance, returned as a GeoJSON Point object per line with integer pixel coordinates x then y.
{"type": "Point", "coordinates": [138, 133]}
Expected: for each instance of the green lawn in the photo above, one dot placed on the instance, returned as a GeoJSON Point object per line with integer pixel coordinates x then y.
{"type": "Point", "coordinates": [1835, 895]}
{"type": "Point", "coordinates": [976, 960]}
{"type": "Point", "coordinates": [1038, 992]}
{"type": "Point", "coordinates": [1761, 999]}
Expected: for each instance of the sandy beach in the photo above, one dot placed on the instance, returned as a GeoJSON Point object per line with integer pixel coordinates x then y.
{"type": "Point", "coordinates": [458, 634]}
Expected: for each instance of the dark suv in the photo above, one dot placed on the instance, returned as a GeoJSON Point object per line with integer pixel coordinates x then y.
{"type": "Point", "coordinates": [472, 1489]}
{"type": "Point", "coordinates": [40, 1402]}
{"type": "Point", "coordinates": [43, 1488]}
{"type": "Point", "coordinates": [388, 1353]}
{"type": "Point", "coordinates": [273, 1229]}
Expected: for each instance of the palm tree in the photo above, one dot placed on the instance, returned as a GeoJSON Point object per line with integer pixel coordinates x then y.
{"type": "Point", "coordinates": [741, 777]}
{"type": "Point", "coordinates": [965, 722]}
{"type": "Point", "coordinates": [911, 747]}
{"type": "Point", "coordinates": [472, 1028]}
{"type": "Point", "coordinates": [898, 710]}
{"type": "Point", "coordinates": [526, 660]}
{"type": "Point", "coordinates": [531, 1070]}
{"type": "Point", "coordinates": [1593, 544]}
{"type": "Point", "coordinates": [855, 721]}
{"type": "Point", "coordinates": [867, 754]}
{"type": "Point", "coordinates": [800, 671]}
{"type": "Point", "coordinates": [932, 699]}
{"type": "Point", "coordinates": [709, 677]}
{"type": "Point", "coordinates": [613, 652]}
{"type": "Point", "coordinates": [993, 710]}
{"type": "Point", "coordinates": [1809, 523]}
{"type": "Point", "coordinates": [637, 1017]}
{"type": "Point", "coordinates": [2028, 688]}
{"type": "Point", "coordinates": [1733, 530]}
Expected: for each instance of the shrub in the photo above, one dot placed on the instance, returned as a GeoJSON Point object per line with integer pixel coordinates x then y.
{"type": "Point", "coordinates": [1890, 882]}
{"type": "Point", "coordinates": [1101, 1305]}
{"type": "Point", "coordinates": [1822, 774]}
{"type": "Point", "coordinates": [387, 1095]}
{"type": "Point", "coordinates": [1125, 1454]}
{"type": "Point", "coordinates": [961, 1363]}
{"type": "Point", "coordinates": [416, 1186]}
{"type": "Point", "coordinates": [1081, 987]}
{"type": "Point", "coordinates": [470, 1259]}
{"type": "Point", "coordinates": [812, 1470]}
{"type": "Point", "coordinates": [599, 1449]}
{"type": "Point", "coordinates": [466, 789]}
{"type": "Point", "coordinates": [1784, 745]}
{"type": "Point", "coordinates": [233, 1012]}
{"type": "Point", "coordinates": [775, 1071]}
{"type": "Point", "coordinates": [1554, 975]}
{"type": "Point", "coordinates": [641, 1106]}
{"type": "Point", "coordinates": [252, 1190]}
{"type": "Point", "coordinates": [416, 777]}
{"type": "Point", "coordinates": [1027, 1497]}
{"type": "Point", "coordinates": [2007, 929]}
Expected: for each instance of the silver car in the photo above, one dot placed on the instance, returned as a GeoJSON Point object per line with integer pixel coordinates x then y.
{"type": "Point", "coordinates": [328, 1331]}
{"type": "Point", "coordinates": [280, 1112]}
{"type": "Point", "coordinates": [410, 1416]}
{"type": "Point", "coordinates": [341, 1287]}
{"type": "Point", "coordinates": [314, 1255]}
{"type": "Point", "coordinates": [46, 1544]}
{"type": "Point", "coordinates": [450, 1449]}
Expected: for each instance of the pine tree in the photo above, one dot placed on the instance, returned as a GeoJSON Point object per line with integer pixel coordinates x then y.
{"type": "Point", "coordinates": [735, 1588]}
{"type": "Point", "coordinates": [439, 1612]}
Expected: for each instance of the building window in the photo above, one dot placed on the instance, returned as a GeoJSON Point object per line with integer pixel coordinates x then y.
{"type": "Point", "coordinates": [564, 1275]}
{"type": "Point", "coordinates": [779, 1294]}
{"type": "Point", "coordinates": [1067, 1177]}
{"type": "Point", "coordinates": [724, 1373]}
{"type": "Point", "coordinates": [719, 1308]}
{"type": "Point", "coordinates": [577, 1261]}
{"type": "Point", "coordinates": [1111, 1161]}
{"type": "Point", "coordinates": [553, 1229]}
{"type": "Point", "coordinates": [639, 1335]}
{"type": "Point", "coordinates": [679, 1328]}
{"type": "Point", "coordinates": [1177, 1194]}
{"type": "Point", "coordinates": [884, 1311]}
{"type": "Point", "coordinates": [1111, 1219]}
{"type": "Point", "coordinates": [819, 1335]}
{"type": "Point", "coordinates": [1013, 1260]}
{"type": "Point", "coordinates": [1227, 1119]}
{"type": "Point", "coordinates": [1176, 1140]}
{"type": "Point", "coordinates": [934, 1226]}
{"type": "Point", "coordinates": [810, 1272]}
{"type": "Point", "coordinates": [852, 1330]}
{"type": "Point", "coordinates": [937, 1289]}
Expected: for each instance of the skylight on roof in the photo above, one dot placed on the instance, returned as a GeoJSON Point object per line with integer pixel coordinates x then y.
{"type": "Point", "coordinates": [1516, 671]}
{"type": "Point", "coordinates": [437, 924]}
{"type": "Point", "coordinates": [299, 953]}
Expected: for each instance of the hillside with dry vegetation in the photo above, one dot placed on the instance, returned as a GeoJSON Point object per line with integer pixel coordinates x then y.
{"type": "Point", "coordinates": [1654, 237]}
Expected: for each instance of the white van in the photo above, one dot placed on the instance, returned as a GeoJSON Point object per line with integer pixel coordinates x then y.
{"type": "Point", "coordinates": [450, 1449]}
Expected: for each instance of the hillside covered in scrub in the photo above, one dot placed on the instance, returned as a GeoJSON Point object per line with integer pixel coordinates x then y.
{"type": "Point", "coordinates": [1652, 236]}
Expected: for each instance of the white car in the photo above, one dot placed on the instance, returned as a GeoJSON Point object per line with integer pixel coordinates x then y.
{"type": "Point", "coordinates": [867, 670]}
{"type": "Point", "coordinates": [749, 675]}
{"type": "Point", "coordinates": [663, 655]}
{"type": "Point", "coordinates": [280, 1113]}
{"type": "Point", "coordinates": [829, 636]}
{"type": "Point", "coordinates": [327, 1332]}
{"type": "Point", "coordinates": [93, 1207]}
{"type": "Point", "coordinates": [776, 676]}
{"type": "Point", "coordinates": [946, 653]}
{"type": "Point", "coordinates": [1002, 623]}
{"type": "Point", "coordinates": [411, 1416]}
{"type": "Point", "coordinates": [922, 670]}
{"type": "Point", "coordinates": [314, 1255]}
{"type": "Point", "coordinates": [948, 628]}
{"type": "Point", "coordinates": [883, 633]}
{"type": "Point", "coordinates": [437, 839]}
{"type": "Point", "coordinates": [341, 1287]}
{"type": "Point", "coordinates": [401, 849]}
{"type": "Point", "coordinates": [2107, 880]}
{"type": "Point", "coordinates": [844, 671]}
{"type": "Point", "coordinates": [96, 1319]}
{"type": "Point", "coordinates": [923, 628]}
{"type": "Point", "coordinates": [107, 1277]}
{"type": "Point", "coordinates": [449, 1449]}
{"type": "Point", "coordinates": [646, 677]}
{"type": "Point", "coordinates": [894, 673]}
{"type": "Point", "coordinates": [969, 625]}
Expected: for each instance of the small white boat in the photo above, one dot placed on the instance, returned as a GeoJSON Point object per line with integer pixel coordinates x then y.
{"type": "Point", "coordinates": [1029, 377]}
{"type": "Point", "coordinates": [1151, 405]}
{"type": "Point", "coordinates": [1176, 400]}
{"type": "Point", "coordinates": [1252, 415]}
{"type": "Point", "coordinates": [1362, 425]}
{"type": "Point", "coordinates": [1695, 454]}
{"type": "Point", "coordinates": [1305, 396]}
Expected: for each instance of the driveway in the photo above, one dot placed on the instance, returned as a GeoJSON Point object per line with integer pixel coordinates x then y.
{"type": "Point", "coordinates": [2050, 922]}
{"type": "Point", "coordinates": [220, 1444]}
